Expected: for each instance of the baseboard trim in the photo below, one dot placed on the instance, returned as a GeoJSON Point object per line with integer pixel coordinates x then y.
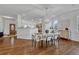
{"type": "Point", "coordinates": [70, 40]}
{"type": "Point", "coordinates": [60, 38]}
{"type": "Point", "coordinates": [24, 39]}
{"type": "Point", "coordinates": [74, 41]}
{"type": "Point", "coordinates": [64, 38]}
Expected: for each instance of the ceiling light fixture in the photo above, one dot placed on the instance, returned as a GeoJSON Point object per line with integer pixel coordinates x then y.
{"type": "Point", "coordinates": [25, 26]}
{"type": "Point", "coordinates": [46, 15]}
{"type": "Point", "coordinates": [55, 22]}
{"type": "Point", "coordinates": [7, 17]}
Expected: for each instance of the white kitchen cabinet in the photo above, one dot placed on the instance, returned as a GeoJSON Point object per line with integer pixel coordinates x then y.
{"type": "Point", "coordinates": [24, 33]}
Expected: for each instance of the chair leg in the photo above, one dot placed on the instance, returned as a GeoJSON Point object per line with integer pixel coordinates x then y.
{"type": "Point", "coordinates": [34, 43]}
{"type": "Point", "coordinates": [46, 42]}
{"type": "Point", "coordinates": [51, 41]}
{"type": "Point", "coordinates": [41, 43]}
{"type": "Point", "coordinates": [56, 43]}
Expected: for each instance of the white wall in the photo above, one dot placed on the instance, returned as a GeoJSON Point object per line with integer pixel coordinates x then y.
{"type": "Point", "coordinates": [70, 20]}
{"type": "Point", "coordinates": [73, 27]}
{"type": "Point", "coordinates": [64, 24]}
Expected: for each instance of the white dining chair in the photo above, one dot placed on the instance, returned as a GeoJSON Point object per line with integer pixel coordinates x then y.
{"type": "Point", "coordinates": [56, 39]}
{"type": "Point", "coordinates": [36, 39]}
{"type": "Point", "coordinates": [33, 40]}
{"type": "Point", "coordinates": [47, 38]}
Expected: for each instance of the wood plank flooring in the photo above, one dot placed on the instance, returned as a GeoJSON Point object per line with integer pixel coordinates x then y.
{"type": "Point", "coordinates": [24, 47]}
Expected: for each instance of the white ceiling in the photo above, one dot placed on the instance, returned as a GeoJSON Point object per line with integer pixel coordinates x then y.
{"type": "Point", "coordinates": [36, 11]}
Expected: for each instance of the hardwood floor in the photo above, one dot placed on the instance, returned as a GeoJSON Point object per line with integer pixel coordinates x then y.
{"type": "Point", "coordinates": [24, 47]}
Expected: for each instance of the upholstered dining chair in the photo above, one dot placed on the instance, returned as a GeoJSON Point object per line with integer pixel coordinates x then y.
{"type": "Point", "coordinates": [55, 39]}
{"type": "Point", "coordinates": [36, 38]}
{"type": "Point", "coordinates": [47, 39]}
{"type": "Point", "coordinates": [33, 40]}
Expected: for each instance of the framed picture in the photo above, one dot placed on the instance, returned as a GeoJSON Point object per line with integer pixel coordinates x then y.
{"type": "Point", "coordinates": [12, 29]}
